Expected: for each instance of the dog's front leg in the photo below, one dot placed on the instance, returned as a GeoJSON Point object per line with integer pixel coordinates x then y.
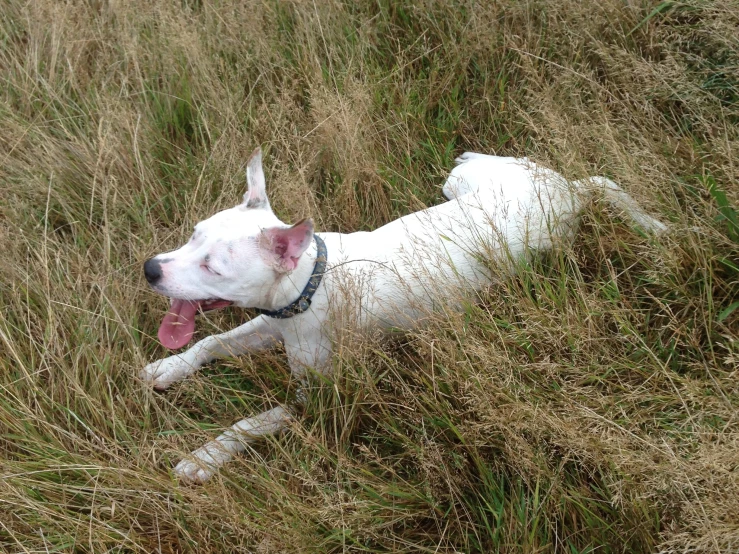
{"type": "Point", "coordinates": [309, 349]}
{"type": "Point", "coordinates": [205, 461]}
{"type": "Point", "coordinates": [252, 336]}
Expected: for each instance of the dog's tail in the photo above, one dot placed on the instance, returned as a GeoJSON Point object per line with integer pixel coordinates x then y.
{"type": "Point", "coordinates": [616, 196]}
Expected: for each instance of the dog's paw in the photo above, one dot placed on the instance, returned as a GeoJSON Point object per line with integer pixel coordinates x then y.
{"type": "Point", "coordinates": [202, 464]}
{"type": "Point", "coordinates": [162, 373]}
{"type": "Point", "coordinates": [191, 471]}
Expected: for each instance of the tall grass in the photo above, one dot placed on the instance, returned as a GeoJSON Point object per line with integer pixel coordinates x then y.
{"type": "Point", "coordinates": [587, 404]}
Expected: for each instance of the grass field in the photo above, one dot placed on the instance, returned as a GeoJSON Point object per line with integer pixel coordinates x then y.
{"type": "Point", "coordinates": [589, 404]}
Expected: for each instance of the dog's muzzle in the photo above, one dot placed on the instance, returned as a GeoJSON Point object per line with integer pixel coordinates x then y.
{"type": "Point", "coordinates": [152, 271]}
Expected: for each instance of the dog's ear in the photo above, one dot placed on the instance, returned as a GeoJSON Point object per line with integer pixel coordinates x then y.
{"type": "Point", "coordinates": [286, 244]}
{"type": "Point", "coordinates": [256, 188]}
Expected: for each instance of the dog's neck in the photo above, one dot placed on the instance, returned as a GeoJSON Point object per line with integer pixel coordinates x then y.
{"type": "Point", "coordinates": [289, 286]}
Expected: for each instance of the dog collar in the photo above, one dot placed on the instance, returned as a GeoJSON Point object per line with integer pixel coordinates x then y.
{"type": "Point", "coordinates": [304, 300]}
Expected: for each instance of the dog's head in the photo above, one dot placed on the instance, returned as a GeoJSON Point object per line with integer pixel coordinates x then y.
{"type": "Point", "coordinates": [234, 257]}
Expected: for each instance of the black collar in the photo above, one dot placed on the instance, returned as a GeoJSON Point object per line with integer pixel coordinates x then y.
{"type": "Point", "coordinates": [303, 301]}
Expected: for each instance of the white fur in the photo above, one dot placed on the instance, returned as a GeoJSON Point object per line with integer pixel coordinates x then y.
{"type": "Point", "coordinates": [500, 211]}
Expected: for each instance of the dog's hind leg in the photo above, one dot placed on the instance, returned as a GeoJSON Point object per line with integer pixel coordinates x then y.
{"type": "Point", "coordinates": [474, 172]}
{"type": "Point", "coordinates": [616, 196]}
{"type": "Point", "coordinates": [460, 181]}
{"type": "Point", "coordinates": [252, 336]}
{"type": "Point", "coordinates": [205, 461]}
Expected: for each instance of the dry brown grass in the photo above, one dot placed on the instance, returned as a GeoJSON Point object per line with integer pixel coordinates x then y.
{"type": "Point", "coordinates": [588, 403]}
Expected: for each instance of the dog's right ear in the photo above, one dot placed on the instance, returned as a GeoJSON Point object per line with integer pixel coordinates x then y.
{"type": "Point", "coordinates": [285, 245]}
{"type": "Point", "coordinates": [256, 188]}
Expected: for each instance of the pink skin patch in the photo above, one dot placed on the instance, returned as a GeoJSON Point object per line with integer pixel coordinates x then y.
{"type": "Point", "coordinates": [178, 326]}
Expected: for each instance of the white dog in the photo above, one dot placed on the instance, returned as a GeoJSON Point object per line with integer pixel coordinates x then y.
{"type": "Point", "coordinates": [500, 211]}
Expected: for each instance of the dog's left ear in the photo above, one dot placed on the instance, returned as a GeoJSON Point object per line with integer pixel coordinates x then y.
{"type": "Point", "coordinates": [286, 244]}
{"type": "Point", "coordinates": [256, 191]}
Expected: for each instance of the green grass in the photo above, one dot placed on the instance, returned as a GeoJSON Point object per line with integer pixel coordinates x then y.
{"type": "Point", "coordinates": [587, 404]}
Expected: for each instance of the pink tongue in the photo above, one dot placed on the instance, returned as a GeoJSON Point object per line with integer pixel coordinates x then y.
{"type": "Point", "coordinates": [178, 325]}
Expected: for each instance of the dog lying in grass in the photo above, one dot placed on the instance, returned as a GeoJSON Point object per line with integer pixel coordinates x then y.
{"type": "Point", "coordinates": [500, 211]}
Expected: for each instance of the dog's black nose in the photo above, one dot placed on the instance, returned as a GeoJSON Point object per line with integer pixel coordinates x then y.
{"type": "Point", "coordinates": [152, 271]}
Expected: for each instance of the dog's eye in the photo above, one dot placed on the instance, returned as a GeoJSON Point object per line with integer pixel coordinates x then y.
{"type": "Point", "coordinates": [209, 269]}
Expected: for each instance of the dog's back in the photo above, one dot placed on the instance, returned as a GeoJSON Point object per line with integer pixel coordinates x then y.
{"type": "Point", "coordinates": [500, 210]}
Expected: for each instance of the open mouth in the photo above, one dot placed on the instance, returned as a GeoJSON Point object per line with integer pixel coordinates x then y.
{"type": "Point", "coordinates": [178, 326]}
